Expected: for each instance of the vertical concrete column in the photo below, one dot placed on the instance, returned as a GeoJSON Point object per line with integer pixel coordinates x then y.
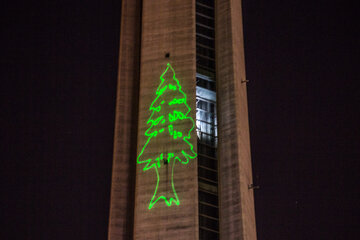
{"type": "Point", "coordinates": [168, 36]}
{"type": "Point", "coordinates": [237, 215]}
{"type": "Point", "coordinates": [125, 138]}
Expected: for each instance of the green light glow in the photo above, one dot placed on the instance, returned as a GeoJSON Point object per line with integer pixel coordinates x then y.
{"type": "Point", "coordinates": [169, 122]}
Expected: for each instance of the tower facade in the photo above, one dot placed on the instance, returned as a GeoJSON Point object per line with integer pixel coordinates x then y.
{"type": "Point", "coordinates": [182, 165]}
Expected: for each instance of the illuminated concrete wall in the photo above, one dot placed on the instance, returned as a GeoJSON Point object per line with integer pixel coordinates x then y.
{"type": "Point", "coordinates": [125, 136]}
{"type": "Point", "coordinates": [237, 216]}
{"type": "Point", "coordinates": [168, 27]}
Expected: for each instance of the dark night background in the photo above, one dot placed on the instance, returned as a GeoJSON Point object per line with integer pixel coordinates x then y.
{"type": "Point", "coordinates": [58, 87]}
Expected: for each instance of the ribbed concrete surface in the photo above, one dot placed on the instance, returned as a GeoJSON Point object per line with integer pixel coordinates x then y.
{"type": "Point", "coordinates": [168, 27]}
{"type": "Point", "coordinates": [122, 193]}
{"type": "Point", "coordinates": [237, 216]}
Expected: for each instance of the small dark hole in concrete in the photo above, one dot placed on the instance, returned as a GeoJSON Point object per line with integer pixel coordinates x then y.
{"type": "Point", "coordinates": [167, 55]}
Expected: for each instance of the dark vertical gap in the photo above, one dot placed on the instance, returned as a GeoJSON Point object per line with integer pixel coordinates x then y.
{"type": "Point", "coordinates": [206, 121]}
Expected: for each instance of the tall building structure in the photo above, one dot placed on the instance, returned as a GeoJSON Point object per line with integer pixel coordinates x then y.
{"type": "Point", "coordinates": [182, 166]}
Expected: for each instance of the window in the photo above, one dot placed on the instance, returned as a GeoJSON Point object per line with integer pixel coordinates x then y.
{"type": "Point", "coordinates": [208, 198]}
{"type": "Point", "coordinates": [206, 121]}
{"type": "Point", "coordinates": [208, 210]}
{"type": "Point", "coordinates": [207, 161]}
{"type": "Point", "coordinates": [207, 222]}
{"type": "Point", "coordinates": [209, 235]}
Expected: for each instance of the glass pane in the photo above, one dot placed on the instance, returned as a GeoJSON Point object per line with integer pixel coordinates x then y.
{"type": "Point", "coordinates": [207, 162]}
{"type": "Point", "coordinates": [203, 172]}
{"type": "Point", "coordinates": [208, 198]}
{"type": "Point", "coordinates": [209, 3]}
{"type": "Point", "coordinates": [205, 10]}
{"type": "Point", "coordinates": [205, 20]}
{"type": "Point", "coordinates": [209, 223]}
{"type": "Point", "coordinates": [208, 235]}
{"type": "Point", "coordinates": [208, 210]}
{"type": "Point", "coordinates": [205, 31]}
{"type": "Point", "coordinates": [204, 41]}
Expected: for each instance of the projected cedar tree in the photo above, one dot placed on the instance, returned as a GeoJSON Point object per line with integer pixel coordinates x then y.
{"type": "Point", "coordinates": [169, 120]}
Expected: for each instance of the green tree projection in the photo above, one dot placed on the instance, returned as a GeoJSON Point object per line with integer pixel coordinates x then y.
{"type": "Point", "coordinates": [170, 122]}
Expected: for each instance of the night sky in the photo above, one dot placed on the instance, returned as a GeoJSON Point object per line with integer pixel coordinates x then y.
{"type": "Point", "coordinates": [57, 98]}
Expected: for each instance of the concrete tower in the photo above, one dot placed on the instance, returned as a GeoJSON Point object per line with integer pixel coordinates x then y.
{"type": "Point", "coordinates": [182, 165]}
